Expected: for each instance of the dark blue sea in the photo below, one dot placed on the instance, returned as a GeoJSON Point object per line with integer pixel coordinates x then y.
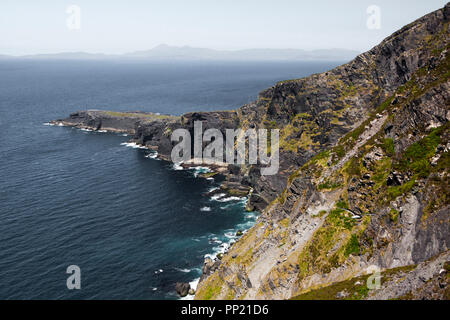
{"type": "Point", "coordinates": [133, 224]}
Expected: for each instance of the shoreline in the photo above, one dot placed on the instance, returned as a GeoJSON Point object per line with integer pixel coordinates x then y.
{"type": "Point", "coordinates": [199, 169]}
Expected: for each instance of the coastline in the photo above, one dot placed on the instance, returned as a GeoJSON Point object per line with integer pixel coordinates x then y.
{"type": "Point", "coordinates": [203, 170]}
{"type": "Point", "coordinates": [217, 193]}
{"type": "Point", "coordinates": [362, 172]}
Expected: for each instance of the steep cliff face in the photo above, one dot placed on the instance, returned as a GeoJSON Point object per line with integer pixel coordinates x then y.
{"type": "Point", "coordinates": [365, 151]}
{"type": "Point", "coordinates": [314, 112]}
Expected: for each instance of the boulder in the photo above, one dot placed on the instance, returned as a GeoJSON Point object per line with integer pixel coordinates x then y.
{"type": "Point", "coordinates": [182, 288]}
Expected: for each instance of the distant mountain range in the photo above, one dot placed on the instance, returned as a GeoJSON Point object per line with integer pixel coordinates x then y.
{"type": "Point", "coordinates": [165, 52]}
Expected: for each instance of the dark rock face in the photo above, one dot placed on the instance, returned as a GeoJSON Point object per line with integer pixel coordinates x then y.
{"type": "Point", "coordinates": [395, 179]}
{"type": "Point", "coordinates": [154, 135]}
{"type": "Point", "coordinates": [182, 288]}
{"type": "Point", "coordinates": [433, 237]}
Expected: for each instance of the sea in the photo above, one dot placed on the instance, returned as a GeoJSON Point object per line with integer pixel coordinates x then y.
{"type": "Point", "coordinates": [134, 225]}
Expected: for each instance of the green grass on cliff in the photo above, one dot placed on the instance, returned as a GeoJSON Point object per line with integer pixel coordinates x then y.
{"type": "Point", "coordinates": [331, 244]}
{"type": "Point", "coordinates": [353, 289]}
{"type": "Point", "coordinates": [328, 185]}
{"type": "Point", "coordinates": [352, 246]}
{"type": "Point", "coordinates": [416, 158]}
{"type": "Point", "coordinates": [212, 288]}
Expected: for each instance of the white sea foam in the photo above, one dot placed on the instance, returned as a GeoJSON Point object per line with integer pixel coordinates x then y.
{"type": "Point", "coordinates": [250, 215]}
{"type": "Point", "coordinates": [228, 199]}
{"type": "Point", "coordinates": [216, 197]}
{"type": "Point", "coordinates": [193, 284]}
{"type": "Point", "coordinates": [210, 179]}
{"type": "Point", "coordinates": [59, 124]}
{"type": "Point", "coordinates": [153, 155]}
{"type": "Point", "coordinates": [213, 189]}
{"type": "Point", "coordinates": [86, 130]}
{"type": "Point", "coordinates": [230, 235]}
{"type": "Point", "coordinates": [177, 167]}
{"type": "Point", "coordinates": [246, 225]}
{"type": "Point", "coordinates": [132, 145]}
{"type": "Point", "coordinates": [239, 201]}
{"type": "Point", "coordinates": [198, 170]}
{"type": "Point", "coordinates": [222, 248]}
{"type": "Point", "coordinates": [205, 209]}
{"type": "Point", "coordinates": [183, 270]}
{"type": "Point", "coordinates": [214, 240]}
{"type": "Point", "coordinates": [102, 131]}
{"type": "Point", "coordinates": [212, 256]}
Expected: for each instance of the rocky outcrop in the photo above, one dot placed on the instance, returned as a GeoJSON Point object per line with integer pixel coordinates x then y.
{"type": "Point", "coordinates": [209, 267]}
{"type": "Point", "coordinates": [182, 288]}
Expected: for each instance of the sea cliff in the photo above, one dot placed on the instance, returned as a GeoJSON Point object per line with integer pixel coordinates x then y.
{"type": "Point", "coordinates": [363, 177]}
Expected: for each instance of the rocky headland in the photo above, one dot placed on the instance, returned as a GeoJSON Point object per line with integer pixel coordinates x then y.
{"type": "Point", "coordinates": [363, 178]}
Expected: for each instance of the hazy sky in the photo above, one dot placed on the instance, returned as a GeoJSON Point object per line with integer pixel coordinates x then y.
{"type": "Point", "coordinates": [118, 26]}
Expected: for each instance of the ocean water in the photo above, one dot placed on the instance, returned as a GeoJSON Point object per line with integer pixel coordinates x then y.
{"type": "Point", "coordinates": [134, 225]}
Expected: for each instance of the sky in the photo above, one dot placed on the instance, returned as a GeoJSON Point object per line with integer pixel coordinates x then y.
{"type": "Point", "coordinates": [120, 26]}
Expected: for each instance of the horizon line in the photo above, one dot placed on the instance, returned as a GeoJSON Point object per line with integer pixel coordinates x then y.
{"type": "Point", "coordinates": [125, 53]}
